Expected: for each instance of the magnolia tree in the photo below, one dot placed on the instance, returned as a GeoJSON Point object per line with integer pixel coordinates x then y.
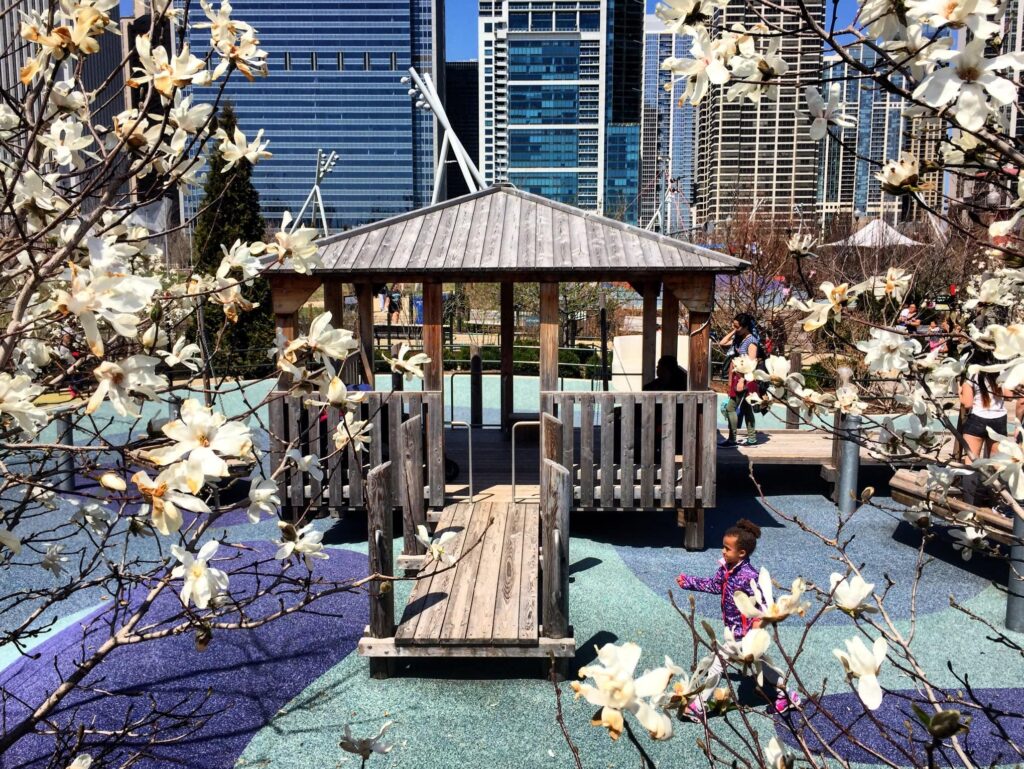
{"type": "Point", "coordinates": [88, 307]}
{"type": "Point", "coordinates": [944, 60]}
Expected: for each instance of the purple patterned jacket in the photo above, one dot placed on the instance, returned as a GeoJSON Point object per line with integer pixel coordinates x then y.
{"type": "Point", "coordinates": [725, 582]}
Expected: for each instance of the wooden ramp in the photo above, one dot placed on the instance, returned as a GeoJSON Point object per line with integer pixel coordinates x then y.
{"type": "Point", "coordinates": [505, 594]}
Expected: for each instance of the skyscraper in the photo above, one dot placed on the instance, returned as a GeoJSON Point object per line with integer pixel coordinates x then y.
{"type": "Point", "coordinates": [847, 187]}
{"type": "Point", "coordinates": [667, 134]}
{"type": "Point", "coordinates": [335, 84]}
{"type": "Point", "coordinates": [757, 158]}
{"type": "Point", "coordinates": [560, 100]}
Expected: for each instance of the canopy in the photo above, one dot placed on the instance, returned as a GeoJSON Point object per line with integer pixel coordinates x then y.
{"type": "Point", "coordinates": [875, 234]}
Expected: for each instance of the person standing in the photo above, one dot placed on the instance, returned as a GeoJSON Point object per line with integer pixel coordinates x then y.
{"type": "Point", "coordinates": [739, 388]}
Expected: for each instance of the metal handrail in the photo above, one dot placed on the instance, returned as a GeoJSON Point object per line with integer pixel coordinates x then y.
{"type": "Point", "coordinates": [515, 427]}
{"type": "Point", "coordinates": [469, 435]}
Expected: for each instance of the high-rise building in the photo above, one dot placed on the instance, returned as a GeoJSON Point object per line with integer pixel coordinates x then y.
{"type": "Point", "coordinates": [847, 186]}
{"type": "Point", "coordinates": [462, 104]}
{"type": "Point", "coordinates": [559, 96]}
{"type": "Point", "coordinates": [335, 84]}
{"type": "Point", "coordinates": [757, 158]}
{"type": "Point", "coordinates": [1013, 42]}
{"type": "Point", "coordinates": [667, 135]}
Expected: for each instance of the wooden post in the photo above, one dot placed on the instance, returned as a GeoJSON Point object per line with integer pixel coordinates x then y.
{"type": "Point", "coordinates": [548, 336]}
{"type": "Point", "coordinates": [433, 372]}
{"type": "Point", "coordinates": [551, 437]}
{"type": "Point", "coordinates": [792, 414]}
{"type": "Point", "coordinates": [669, 323]}
{"type": "Point", "coordinates": [476, 388]}
{"type": "Point", "coordinates": [379, 527]}
{"type": "Point", "coordinates": [555, 502]}
{"type": "Point", "coordinates": [508, 340]}
{"type": "Point", "coordinates": [410, 482]}
{"type": "Point", "coordinates": [698, 296]}
{"type": "Point", "coordinates": [650, 332]}
{"type": "Point", "coordinates": [364, 297]}
{"type": "Point", "coordinates": [334, 300]}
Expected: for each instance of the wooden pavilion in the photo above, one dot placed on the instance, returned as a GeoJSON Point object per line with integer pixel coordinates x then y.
{"type": "Point", "coordinates": [609, 450]}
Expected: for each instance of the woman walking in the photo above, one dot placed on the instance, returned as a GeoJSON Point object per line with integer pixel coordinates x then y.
{"type": "Point", "coordinates": [739, 388]}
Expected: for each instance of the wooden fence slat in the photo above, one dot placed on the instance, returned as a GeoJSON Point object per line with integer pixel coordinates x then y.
{"type": "Point", "coordinates": [313, 443]}
{"type": "Point", "coordinates": [373, 413]}
{"type": "Point", "coordinates": [551, 440]}
{"type": "Point", "coordinates": [410, 449]}
{"type": "Point", "coordinates": [586, 450]}
{"type": "Point", "coordinates": [626, 432]}
{"type": "Point", "coordinates": [278, 443]}
{"type": "Point", "coordinates": [708, 446]}
{"type": "Point", "coordinates": [297, 491]}
{"type": "Point", "coordinates": [435, 447]}
{"type": "Point", "coordinates": [567, 413]}
{"type": "Point", "coordinates": [690, 459]}
{"type": "Point", "coordinates": [395, 418]}
{"type": "Point", "coordinates": [379, 526]}
{"type": "Point", "coordinates": [556, 500]}
{"type": "Point", "coordinates": [668, 450]}
{"type": "Point", "coordinates": [336, 464]}
{"type": "Point", "coordinates": [647, 450]}
{"type": "Point", "coordinates": [607, 403]}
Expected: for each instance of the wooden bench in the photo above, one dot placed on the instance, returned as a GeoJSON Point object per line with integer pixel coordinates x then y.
{"type": "Point", "coordinates": [908, 488]}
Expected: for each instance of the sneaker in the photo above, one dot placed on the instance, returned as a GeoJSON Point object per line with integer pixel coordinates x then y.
{"type": "Point", "coordinates": [727, 442]}
{"type": "Point", "coordinates": [694, 711]}
{"type": "Point", "coordinates": [786, 701]}
{"type": "Point", "coordinates": [750, 442]}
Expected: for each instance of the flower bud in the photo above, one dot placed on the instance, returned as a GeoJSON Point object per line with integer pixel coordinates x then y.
{"type": "Point", "coordinates": [113, 481]}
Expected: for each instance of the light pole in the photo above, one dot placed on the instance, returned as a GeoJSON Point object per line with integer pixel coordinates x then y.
{"type": "Point", "coordinates": [324, 165]}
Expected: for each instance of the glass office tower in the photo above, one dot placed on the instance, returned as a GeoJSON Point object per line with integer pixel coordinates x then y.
{"type": "Point", "coordinates": [335, 84]}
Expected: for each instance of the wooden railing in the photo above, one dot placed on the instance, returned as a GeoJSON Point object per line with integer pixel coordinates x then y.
{"type": "Point", "coordinates": [310, 429]}
{"type": "Point", "coordinates": [635, 450]}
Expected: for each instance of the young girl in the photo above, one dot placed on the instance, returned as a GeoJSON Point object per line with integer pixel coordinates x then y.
{"type": "Point", "coordinates": [735, 574]}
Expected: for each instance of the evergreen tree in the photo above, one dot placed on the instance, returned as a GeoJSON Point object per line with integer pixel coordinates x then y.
{"type": "Point", "coordinates": [230, 211]}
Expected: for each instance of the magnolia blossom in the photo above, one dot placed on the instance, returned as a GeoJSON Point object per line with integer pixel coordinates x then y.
{"type": "Point", "coordinates": [823, 114]}
{"type": "Point", "coordinates": [352, 431]}
{"type": "Point", "coordinates": [918, 516]}
{"type": "Point", "coordinates": [851, 594]}
{"type": "Point", "coordinates": [17, 399]}
{"type": "Point", "coordinates": [903, 176]}
{"type": "Point", "coordinates": [888, 351]}
{"type": "Point", "coordinates": [810, 402]}
{"type": "Point", "coordinates": [243, 256]}
{"type": "Point", "coordinates": [992, 291]}
{"type": "Point", "coordinates": [756, 75]}
{"type": "Point", "coordinates": [97, 518]}
{"type": "Point", "coordinates": [800, 245]}
{"type": "Point", "coordinates": [118, 381]}
{"type": "Point", "coordinates": [956, 14]}
{"type": "Point", "coordinates": [748, 652]}
{"type": "Point", "coordinates": [777, 755]}
{"type": "Point", "coordinates": [968, 540]}
{"type": "Point", "coordinates": [863, 664]}
{"type": "Point", "coordinates": [323, 341]}
{"type": "Point", "coordinates": [184, 353]}
{"type": "Point", "coordinates": [684, 16]}
{"type": "Point", "coordinates": [168, 492]}
{"type": "Point", "coordinates": [113, 481]}
{"type": "Point", "coordinates": [409, 365]}
{"type": "Point", "coordinates": [744, 364]}
{"type": "Point", "coordinates": [848, 400]}
{"type": "Point", "coordinates": [202, 582]}
{"type": "Point", "coordinates": [65, 142]}
{"type": "Point", "coordinates": [1006, 462]}
{"type": "Point", "coordinates": [310, 463]}
{"type": "Point", "coordinates": [167, 74]}
{"type": "Point", "coordinates": [435, 546]}
{"type": "Point", "coordinates": [366, 746]}
{"type": "Point", "coordinates": [263, 499]}
{"type": "Point", "coordinates": [206, 437]}
{"type": "Point", "coordinates": [615, 690]}
{"type": "Point", "coordinates": [917, 435]}
{"type": "Point", "coordinates": [777, 374]}
{"type": "Point", "coordinates": [54, 560]}
{"type": "Point", "coordinates": [941, 478]}
{"type": "Point", "coordinates": [894, 284]}
{"type": "Point", "coordinates": [304, 543]}
{"type": "Point", "coordinates": [704, 68]}
{"type": "Point", "coordinates": [689, 687]}
{"type": "Point", "coordinates": [763, 606]}
{"type": "Point", "coordinates": [82, 761]}
{"type": "Point", "coordinates": [238, 148]}
{"type": "Point", "coordinates": [10, 540]}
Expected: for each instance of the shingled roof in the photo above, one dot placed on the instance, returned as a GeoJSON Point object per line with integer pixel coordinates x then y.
{"type": "Point", "coordinates": [504, 233]}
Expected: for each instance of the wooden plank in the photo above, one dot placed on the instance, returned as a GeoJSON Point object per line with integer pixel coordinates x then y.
{"type": "Point", "coordinates": [489, 260]}
{"type": "Point", "coordinates": [505, 628]}
{"type": "Point", "coordinates": [425, 241]}
{"type": "Point", "coordinates": [380, 534]}
{"type": "Point", "coordinates": [478, 231]}
{"type": "Point", "coordinates": [278, 442]}
{"type": "Point", "coordinates": [368, 252]}
{"type": "Point", "coordinates": [410, 488]}
{"type": "Point", "coordinates": [579, 247]}
{"type": "Point", "coordinates": [313, 434]}
{"type": "Point", "coordinates": [530, 581]}
{"type": "Point", "coordinates": [652, 254]}
{"type": "Point", "coordinates": [433, 340]}
{"type": "Point", "coordinates": [438, 252]}
{"type": "Point", "coordinates": [607, 403]}
{"type": "Point", "coordinates": [567, 414]}
{"type": "Point", "coordinates": [460, 235]}
{"type": "Point", "coordinates": [508, 340]}
{"type": "Point", "coordinates": [595, 236]}
{"type": "Point", "coordinates": [549, 327]}
{"type": "Point", "coordinates": [545, 237]}
{"type": "Point", "coordinates": [481, 616]}
{"type": "Point", "coordinates": [616, 251]}
{"type": "Point", "coordinates": [431, 616]}
{"type": "Point", "coordinates": [297, 490]}
{"type": "Point", "coordinates": [586, 449]}
{"type": "Point", "coordinates": [508, 258]}
{"type": "Point", "coordinates": [699, 367]}
{"type": "Point", "coordinates": [373, 413]}
{"type": "Point", "coordinates": [527, 235]}
{"type": "Point", "coordinates": [560, 648]}
{"type": "Point", "coordinates": [389, 244]}
{"type": "Point", "coordinates": [435, 447]}
{"type": "Point", "coordinates": [647, 450]}
{"type": "Point", "coordinates": [394, 405]}
{"type": "Point", "coordinates": [350, 256]}
{"type": "Point", "coordinates": [557, 498]}
{"type": "Point", "coordinates": [626, 462]}
{"type": "Point", "coordinates": [560, 242]}
{"type": "Point", "coordinates": [649, 342]}
{"type": "Point", "coordinates": [422, 596]}
{"type": "Point", "coordinates": [460, 596]}
{"type": "Point", "coordinates": [335, 463]}
{"type": "Point", "coordinates": [399, 257]}
{"type": "Point", "coordinates": [669, 323]}
{"type": "Point", "coordinates": [668, 450]}
{"type": "Point", "coordinates": [364, 298]}
{"type": "Point", "coordinates": [707, 448]}
{"type": "Point", "coordinates": [689, 462]}
{"type": "Point", "coordinates": [634, 248]}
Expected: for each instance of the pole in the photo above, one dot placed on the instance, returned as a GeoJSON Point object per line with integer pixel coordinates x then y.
{"type": "Point", "coordinates": [604, 343]}
{"type": "Point", "coordinates": [1015, 594]}
{"type": "Point", "coordinates": [476, 388]}
{"type": "Point", "coordinates": [849, 464]}
{"type": "Point", "coordinates": [66, 463]}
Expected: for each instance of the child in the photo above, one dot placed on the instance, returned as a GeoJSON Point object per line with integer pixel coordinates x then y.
{"type": "Point", "coordinates": [735, 574]}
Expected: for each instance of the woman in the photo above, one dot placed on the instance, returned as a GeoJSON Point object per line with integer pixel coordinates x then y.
{"type": "Point", "coordinates": [984, 402]}
{"type": "Point", "coordinates": [739, 388]}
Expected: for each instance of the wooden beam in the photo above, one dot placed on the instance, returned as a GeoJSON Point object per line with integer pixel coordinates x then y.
{"type": "Point", "coordinates": [696, 292]}
{"type": "Point", "coordinates": [508, 340]}
{"type": "Point", "coordinates": [548, 336]}
{"type": "Point", "coordinates": [669, 323]}
{"type": "Point", "coordinates": [334, 300]}
{"type": "Point", "coordinates": [289, 292]}
{"type": "Point", "coordinates": [699, 370]}
{"type": "Point", "coordinates": [433, 372]}
{"type": "Point", "coordinates": [650, 331]}
{"type": "Point", "coordinates": [364, 298]}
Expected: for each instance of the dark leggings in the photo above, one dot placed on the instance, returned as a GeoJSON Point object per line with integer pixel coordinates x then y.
{"type": "Point", "coordinates": [738, 407]}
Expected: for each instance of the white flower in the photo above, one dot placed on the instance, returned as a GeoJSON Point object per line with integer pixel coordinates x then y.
{"type": "Point", "coordinates": [54, 560]}
{"type": "Point", "coordinates": [310, 463]}
{"type": "Point", "coordinates": [165, 73]}
{"type": "Point", "coordinates": [188, 117]}
{"type": "Point", "coordinates": [82, 761]}
{"type": "Point", "coordinates": [903, 176]}
{"type": "Point", "coordinates": [992, 291]}
{"type": "Point", "coordinates": [354, 431]}
{"type": "Point", "coordinates": [366, 746]}
{"type": "Point", "coordinates": [706, 67]}
{"type": "Point", "coordinates": [1008, 341]}
{"type": "Point", "coordinates": [184, 353]}
{"type": "Point", "coordinates": [918, 516]}
{"type": "Point", "coordinates": [1006, 462]}
{"type": "Point", "coordinates": [297, 246]}
{"type": "Point", "coordinates": [888, 351]}
{"type": "Point", "coordinates": [848, 400]}
{"type": "Point", "coordinates": [205, 436]}
{"type": "Point", "coordinates": [119, 381]}
{"type": "Point", "coordinates": [263, 499]}
{"type": "Point", "coordinates": [968, 540]}
{"type": "Point", "coordinates": [409, 365]}
{"type": "Point", "coordinates": [436, 546]}
{"type": "Point", "coordinates": [168, 492]}
{"type": "Point", "coordinates": [763, 605]}
{"type": "Point", "coordinates": [324, 342]}
{"type": "Point", "coordinates": [824, 114]}
{"type": "Point", "coordinates": [17, 398]}
{"type": "Point", "coordinates": [243, 256]}
{"type": "Point", "coordinates": [748, 653]}
{"type": "Point", "coordinates": [863, 664]}
{"type": "Point", "coordinates": [800, 245]}
{"type": "Point", "coordinates": [96, 517]}
{"type": "Point", "coordinates": [304, 543]}
{"type": "Point", "coordinates": [689, 687]}
{"type": "Point", "coordinates": [238, 148]}
{"type": "Point", "coordinates": [777, 755]}
{"type": "Point", "coordinates": [894, 284]}
{"type": "Point", "coordinates": [809, 402]}
{"type": "Point", "coordinates": [615, 690]}
{"type": "Point", "coordinates": [882, 18]}
{"type": "Point", "coordinates": [917, 435]}
{"type": "Point", "coordinates": [744, 364]}
{"type": "Point", "coordinates": [202, 582]}
{"type": "Point", "coordinates": [65, 142]}
{"type": "Point", "coordinates": [10, 540]}
{"type": "Point", "coordinates": [851, 594]}
{"type": "Point", "coordinates": [941, 478]}
{"type": "Point", "coordinates": [112, 481]}
{"type": "Point", "coordinates": [956, 14]}
{"type": "Point", "coordinates": [683, 16]}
